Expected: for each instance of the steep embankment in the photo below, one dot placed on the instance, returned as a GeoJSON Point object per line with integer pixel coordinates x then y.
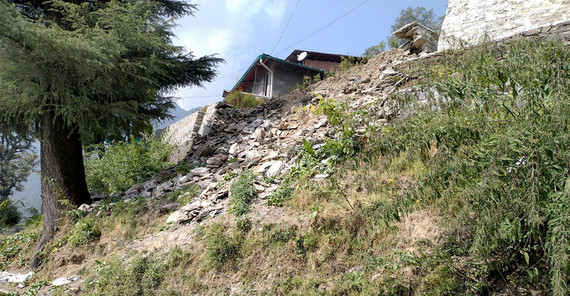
{"type": "Point", "coordinates": [443, 175]}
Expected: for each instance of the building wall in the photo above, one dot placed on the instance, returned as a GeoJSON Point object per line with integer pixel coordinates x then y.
{"type": "Point", "coordinates": [323, 65]}
{"type": "Point", "coordinates": [469, 21]}
{"type": "Point", "coordinates": [287, 77]}
{"type": "Point", "coordinates": [258, 85]}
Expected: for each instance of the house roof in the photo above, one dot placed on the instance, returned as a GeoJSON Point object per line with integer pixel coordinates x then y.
{"type": "Point", "coordinates": [248, 75]}
{"type": "Point", "coordinates": [313, 55]}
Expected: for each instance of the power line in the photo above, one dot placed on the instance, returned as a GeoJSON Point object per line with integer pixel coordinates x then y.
{"type": "Point", "coordinates": [287, 25]}
{"type": "Point", "coordinates": [334, 21]}
{"type": "Point", "coordinates": [305, 38]}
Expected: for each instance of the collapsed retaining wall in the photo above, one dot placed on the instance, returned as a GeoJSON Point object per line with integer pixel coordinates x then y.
{"type": "Point", "coordinates": [181, 134]}
{"type": "Point", "coordinates": [467, 22]}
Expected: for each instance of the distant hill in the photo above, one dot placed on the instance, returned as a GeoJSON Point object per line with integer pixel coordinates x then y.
{"type": "Point", "coordinates": [178, 113]}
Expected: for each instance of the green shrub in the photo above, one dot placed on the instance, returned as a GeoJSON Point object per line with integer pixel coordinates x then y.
{"type": "Point", "coordinates": [143, 276]}
{"type": "Point", "coordinates": [280, 196]}
{"type": "Point", "coordinates": [84, 231]}
{"type": "Point", "coordinates": [242, 193]}
{"type": "Point", "coordinates": [124, 164]}
{"type": "Point", "coordinates": [222, 248]}
{"type": "Point", "coordinates": [239, 99]}
{"type": "Point", "coordinates": [9, 214]}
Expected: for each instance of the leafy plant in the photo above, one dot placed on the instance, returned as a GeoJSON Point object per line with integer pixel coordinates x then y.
{"type": "Point", "coordinates": [9, 214]}
{"type": "Point", "coordinates": [281, 195]}
{"type": "Point", "coordinates": [222, 248]}
{"type": "Point", "coordinates": [242, 193]}
{"type": "Point", "coordinates": [143, 276]}
{"type": "Point", "coordinates": [239, 99]}
{"type": "Point", "coordinates": [125, 163]}
{"type": "Point", "coordinates": [85, 230]}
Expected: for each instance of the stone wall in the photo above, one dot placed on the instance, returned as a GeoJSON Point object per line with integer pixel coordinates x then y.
{"type": "Point", "coordinates": [181, 134]}
{"type": "Point", "coordinates": [469, 21]}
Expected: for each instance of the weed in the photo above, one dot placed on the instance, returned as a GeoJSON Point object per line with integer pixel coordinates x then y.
{"type": "Point", "coordinates": [35, 288]}
{"type": "Point", "coordinates": [239, 99]}
{"type": "Point", "coordinates": [281, 195]}
{"type": "Point", "coordinates": [222, 249]}
{"type": "Point", "coordinates": [244, 225]}
{"type": "Point", "coordinates": [143, 276]}
{"type": "Point", "coordinates": [242, 193]}
{"type": "Point", "coordinates": [85, 230]}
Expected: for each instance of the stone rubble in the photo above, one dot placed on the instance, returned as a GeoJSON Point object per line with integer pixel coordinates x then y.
{"type": "Point", "coordinates": [421, 39]}
{"type": "Point", "coordinates": [267, 139]}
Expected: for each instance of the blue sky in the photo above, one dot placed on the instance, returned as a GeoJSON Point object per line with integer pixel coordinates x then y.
{"type": "Point", "coordinates": [240, 30]}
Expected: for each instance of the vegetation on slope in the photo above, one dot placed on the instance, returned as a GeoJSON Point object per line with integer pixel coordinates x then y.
{"type": "Point", "coordinates": [466, 194]}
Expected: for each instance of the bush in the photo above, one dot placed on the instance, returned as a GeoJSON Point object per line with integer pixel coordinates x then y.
{"type": "Point", "coordinates": [85, 230]}
{"type": "Point", "coordinates": [9, 214]}
{"type": "Point", "coordinates": [143, 276]}
{"type": "Point", "coordinates": [239, 99]}
{"type": "Point", "coordinates": [242, 192]}
{"type": "Point", "coordinates": [222, 248]}
{"type": "Point", "coordinates": [124, 164]}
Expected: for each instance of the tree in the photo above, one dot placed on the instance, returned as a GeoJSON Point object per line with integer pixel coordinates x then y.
{"type": "Point", "coordinates": [81, 69]}
{"type": "Point", "coordinates": [17, 161]}
{"type": "Point", "coordinates": [374, 50]}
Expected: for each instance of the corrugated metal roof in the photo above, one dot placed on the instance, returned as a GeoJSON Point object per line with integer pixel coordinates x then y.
{"type": "Point", "coordinates": [266, 56]}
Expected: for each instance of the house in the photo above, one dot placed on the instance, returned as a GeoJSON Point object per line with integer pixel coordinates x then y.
{"type": "Point", "coordinates": [270, 77]}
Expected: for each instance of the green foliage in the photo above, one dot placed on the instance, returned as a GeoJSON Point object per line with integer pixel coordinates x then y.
{"type": "Point", "coordinates": [495, 153]}
{"type": "Point", "coordinates": [282, 234]}
{"type": "Point", "coordinates": [347, 144]}
{"type": "Point", "coordinates": [12, 246]}
{"type": "Point", "coordinates": [419, 14]}
{"type": "Point", "coordinates": [35, 288]}
{"type": "Point", "coordinates": [84, 231]}
{"type": "Point", "coordinates": [281, 195]}
{"type": "Point", "coordinates": [393, 42]}
{"type": "Point", "coordinates": [346, 63]}
{"type": "Point", "coordinates": [9, 214]}
{"type": "Point", "coordinates": [128, 63]}
{"type": "Point", "coordinates": [143, 276]}
{"type": "Point", "coordinates": [242, 193]}
{"type": "Point", "coordinates": [17, 159]}
{"type": "Point", "coordinates": [239, 99]}
{"type": "Point", "coordinates": [317, 78]}
{"type": "Point", "coordinates": [124, 164]}
{"type": "Point", "coordinates": [184, 195]}
{"type": "Point", "coordinates": [223, 249]}
{"type": "Point", "coordinates": [372, 51]}
{"type": "Point", "coordinates": [243, 224]}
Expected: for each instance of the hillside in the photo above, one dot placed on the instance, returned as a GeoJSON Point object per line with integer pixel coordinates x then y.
{"type": "Point", "coordinates": [441, 175]}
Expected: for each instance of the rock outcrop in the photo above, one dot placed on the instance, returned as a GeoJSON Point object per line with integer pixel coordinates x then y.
{"type": "Point", "coordinates": [421, 39]}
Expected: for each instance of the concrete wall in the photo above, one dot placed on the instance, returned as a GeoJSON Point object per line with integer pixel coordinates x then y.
{"type": "Point", "coordinates": [285, 78]}
{"type": "Point", "coordinates": [468, 21]}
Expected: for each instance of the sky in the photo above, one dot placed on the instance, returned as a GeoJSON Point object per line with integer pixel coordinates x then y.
{"type": "Point", "coordinates": [240, 30]}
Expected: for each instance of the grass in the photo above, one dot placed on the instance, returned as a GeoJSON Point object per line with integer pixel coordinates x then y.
{"type": "Point", "coordinates": [487, 156]}
{"type": "Point", "coordinates": [242, 193]}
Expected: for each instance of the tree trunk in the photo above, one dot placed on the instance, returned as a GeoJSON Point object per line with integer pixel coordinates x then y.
{"type": "Point", "coordinates": [63, 174]}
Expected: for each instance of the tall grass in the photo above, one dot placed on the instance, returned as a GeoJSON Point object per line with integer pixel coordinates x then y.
{"type": "Point", "coordinates": [495, 144]}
